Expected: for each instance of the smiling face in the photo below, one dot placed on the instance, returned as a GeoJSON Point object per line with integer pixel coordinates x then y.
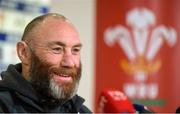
{"type": "Point", "coordinates": [53, 66]}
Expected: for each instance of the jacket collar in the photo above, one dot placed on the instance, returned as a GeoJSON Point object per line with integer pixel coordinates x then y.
{"type": "Point", "coordinates": [11, 79]}
{"type": "Point", "coordinates": [77, 102]}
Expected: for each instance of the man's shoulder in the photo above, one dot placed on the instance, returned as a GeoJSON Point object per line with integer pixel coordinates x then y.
{"type": "Point", "coordinates": [5, 94]}
{"type": "Point", "coordinates": [84, 109]}
{"type": "Point", "coordinates": [6, 98]}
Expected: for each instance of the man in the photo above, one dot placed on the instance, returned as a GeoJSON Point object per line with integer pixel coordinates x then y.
{"type": "Point", "coordinates": [47, 78]}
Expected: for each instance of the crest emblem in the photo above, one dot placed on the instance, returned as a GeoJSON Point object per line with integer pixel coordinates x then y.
{"type": "Point", "coordinates": [140, 40]}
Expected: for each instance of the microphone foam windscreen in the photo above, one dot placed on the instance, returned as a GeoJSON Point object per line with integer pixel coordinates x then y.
{"type": "Point", "coordinates": [114, 101]}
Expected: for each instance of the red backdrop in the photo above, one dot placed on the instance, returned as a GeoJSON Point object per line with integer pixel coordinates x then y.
{"type": "Point", "coordinates": [138, 51]}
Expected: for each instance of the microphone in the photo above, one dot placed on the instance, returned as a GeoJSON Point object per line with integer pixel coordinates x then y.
{"type": "Point", "coordinates": [178, 110]}
{"type": "Point", "coordinates": [113, 101]}
{"type": "Point", "coordinates": [141, 109]}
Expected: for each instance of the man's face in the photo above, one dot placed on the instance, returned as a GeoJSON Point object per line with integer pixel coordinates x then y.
{"type": "Point", "coordinates": [51, 82]}
{"type": "Point", "coordinates": [55, 59]}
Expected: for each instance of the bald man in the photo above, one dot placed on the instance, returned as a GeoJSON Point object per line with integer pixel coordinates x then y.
{"type": "Point", "coordinates": [48, 76]}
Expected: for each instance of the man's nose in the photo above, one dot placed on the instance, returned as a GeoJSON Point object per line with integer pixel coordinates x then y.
{"type": "Point", "coordinates": [67, 60]}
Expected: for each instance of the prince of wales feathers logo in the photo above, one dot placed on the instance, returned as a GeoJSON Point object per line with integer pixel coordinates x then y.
{"type": "Point", "coordinates": [140, 40]}
{"type": "Point", "coordinates": [140, 43]}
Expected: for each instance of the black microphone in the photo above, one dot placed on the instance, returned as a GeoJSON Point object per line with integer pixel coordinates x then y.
{"type": "Point", "coordinates": [141, 109]}
{"type": "Point", "coordinates": [178, 110]}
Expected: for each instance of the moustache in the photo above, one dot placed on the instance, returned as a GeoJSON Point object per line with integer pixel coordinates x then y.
{"type": "Point", "coordinates": [64, 71]}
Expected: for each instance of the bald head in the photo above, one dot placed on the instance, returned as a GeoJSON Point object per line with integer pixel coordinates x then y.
{"type": "Point", "coordinates": [37, 21]}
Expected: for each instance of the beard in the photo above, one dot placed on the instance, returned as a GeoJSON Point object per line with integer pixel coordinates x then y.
{"type": "Point", "coordinates": [42, 79]}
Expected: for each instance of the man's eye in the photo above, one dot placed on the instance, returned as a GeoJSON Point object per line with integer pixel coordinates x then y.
{"type": "Point", "coordinates": [76, 50]}
{"type": "Point", "coordinates": [57, 50]}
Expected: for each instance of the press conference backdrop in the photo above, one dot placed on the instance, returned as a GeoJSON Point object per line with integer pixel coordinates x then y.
{"type": "Point", "coordinates": [138, 51]}
{"type": "Point", "coordinates": [14, 15]}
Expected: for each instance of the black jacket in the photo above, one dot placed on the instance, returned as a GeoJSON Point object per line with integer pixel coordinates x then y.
{"type": "Point", "coordinates": [17, 95]}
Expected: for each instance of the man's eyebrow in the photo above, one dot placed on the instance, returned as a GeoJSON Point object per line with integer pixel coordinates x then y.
{"type": "Point", "coordinates": [56, 43]}
{"type": "Point", "coordinates": [63, 44]}
{"type": "Point", "coordinates": [78, 45]}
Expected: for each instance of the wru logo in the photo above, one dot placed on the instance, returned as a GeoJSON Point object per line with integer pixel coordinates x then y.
{"type": "Point", "coordinates": [140, 41]}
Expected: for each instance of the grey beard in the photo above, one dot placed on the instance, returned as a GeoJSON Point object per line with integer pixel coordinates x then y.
{"type": "Point", "coordinates": [58, 92]}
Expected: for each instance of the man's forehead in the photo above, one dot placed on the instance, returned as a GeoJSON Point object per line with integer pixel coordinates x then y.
{"type": "Point", "coordinates": [55, 29]}
{"type": "Point", "coordinates": [54, 20]}
{"type": "Point", "coordinates": [57, 25]}
{"type": "Point", "coordinates": [78, 44]}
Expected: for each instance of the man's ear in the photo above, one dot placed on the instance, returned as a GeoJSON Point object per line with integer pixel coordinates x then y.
{"type": "Point", "coordinates": [23, 52]}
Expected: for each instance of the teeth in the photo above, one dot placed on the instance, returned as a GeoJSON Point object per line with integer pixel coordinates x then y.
{"type": "Point", "coordinates": [64, 75]}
